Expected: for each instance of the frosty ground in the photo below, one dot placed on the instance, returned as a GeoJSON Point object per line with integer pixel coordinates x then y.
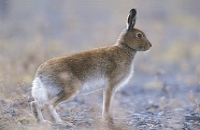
{"type": "Point", "coordinates": [159, 102]}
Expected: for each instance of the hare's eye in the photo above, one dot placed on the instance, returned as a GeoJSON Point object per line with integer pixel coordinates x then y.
{"type": "Point", "coordinates": [139, 35]}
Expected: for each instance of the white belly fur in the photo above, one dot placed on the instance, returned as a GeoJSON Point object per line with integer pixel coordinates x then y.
{"type": "Point", "coordinates": [92, 84]}
{"type": "Point", "coordinates": [97, 83]}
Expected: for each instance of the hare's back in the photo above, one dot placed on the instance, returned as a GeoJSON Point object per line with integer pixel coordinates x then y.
{"type": "Point", "coordinates": [88, 62]}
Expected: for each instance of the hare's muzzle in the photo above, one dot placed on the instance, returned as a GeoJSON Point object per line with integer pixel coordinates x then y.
{"type": "Point", "coordinates": [147, 46]}
{"type": "Point", "coordinates": [150, 44]}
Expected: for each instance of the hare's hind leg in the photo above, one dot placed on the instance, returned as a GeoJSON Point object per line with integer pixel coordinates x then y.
{"type": "Point", "coordinates": [50, 107]}
{"type": "Point", "coordinates": [38, 113]}
{"type": "Point", "coordinates": [54, 114]}
{"type": "Point", "coordinates": [69, 91]}
{"type": "Point", "coordinates": [36, 109]}
{"type": "Point", "coordinates": [39, 94]}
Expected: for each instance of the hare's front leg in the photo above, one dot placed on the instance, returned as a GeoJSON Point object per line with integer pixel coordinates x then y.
{"type": "Point", "coordinates": [108, 96]}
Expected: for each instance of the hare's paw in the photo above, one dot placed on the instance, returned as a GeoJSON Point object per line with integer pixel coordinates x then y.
{"type": "Point", "coordinates": [108, 120]}
{"type": "Point", "coordinates": [46, 122]}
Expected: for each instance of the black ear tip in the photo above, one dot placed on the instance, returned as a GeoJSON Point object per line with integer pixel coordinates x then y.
{"type": "Point", "coordinates": [133, 11]}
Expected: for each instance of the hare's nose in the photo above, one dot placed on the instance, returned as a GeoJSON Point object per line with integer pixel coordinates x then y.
{"type": "Point", "coordinates": [150, 45]}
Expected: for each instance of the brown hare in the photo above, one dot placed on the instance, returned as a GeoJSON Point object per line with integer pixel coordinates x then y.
{"type": "Point", "coordinates": [60, 79]}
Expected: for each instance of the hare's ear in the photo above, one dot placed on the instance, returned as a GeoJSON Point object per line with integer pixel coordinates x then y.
{"type": "Point", "coordinates": [131, 19]}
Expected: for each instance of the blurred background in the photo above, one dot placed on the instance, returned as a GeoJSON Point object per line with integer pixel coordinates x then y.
{"type": "Point", "coordinates": [33, 31]}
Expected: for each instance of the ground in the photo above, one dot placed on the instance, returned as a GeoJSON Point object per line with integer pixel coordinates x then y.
{"type": "Point", "coordinates": [156, 105]}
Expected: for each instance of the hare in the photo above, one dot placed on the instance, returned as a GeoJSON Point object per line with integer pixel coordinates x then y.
{"type": "Point", "coordinates": [60, 79]}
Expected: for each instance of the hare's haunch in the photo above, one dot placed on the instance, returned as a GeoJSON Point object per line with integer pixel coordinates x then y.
{"type": "Point", "coordinates": [60, 79]}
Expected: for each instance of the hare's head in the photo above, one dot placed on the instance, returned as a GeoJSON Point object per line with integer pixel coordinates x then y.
{"type": "Point", "coordinates": [134, 38]}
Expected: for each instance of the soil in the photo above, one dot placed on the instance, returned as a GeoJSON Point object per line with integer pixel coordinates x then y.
{"type": "Point", "coordinates": [146, 103]}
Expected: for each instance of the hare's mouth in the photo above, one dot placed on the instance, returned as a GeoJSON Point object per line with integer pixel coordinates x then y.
{"type": "Point", "coordinates": [144, 48]}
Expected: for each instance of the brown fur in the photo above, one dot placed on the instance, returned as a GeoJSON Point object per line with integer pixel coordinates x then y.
{"type": "Point", "coordinates": [63, 77]}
